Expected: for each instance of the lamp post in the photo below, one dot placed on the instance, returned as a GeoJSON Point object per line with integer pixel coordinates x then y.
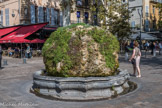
{"type": "Point", "coordinates": [140, 14]}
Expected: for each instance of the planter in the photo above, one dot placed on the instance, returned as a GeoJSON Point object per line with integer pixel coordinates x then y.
{"type": "Point", "coordinates": [80, 88]}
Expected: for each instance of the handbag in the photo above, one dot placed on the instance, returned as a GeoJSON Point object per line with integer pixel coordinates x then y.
{"type": "Point", "coordinates": [133, 61]}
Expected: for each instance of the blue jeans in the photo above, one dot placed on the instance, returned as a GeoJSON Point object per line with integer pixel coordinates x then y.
{"type": "Point", "coordinates": [27, 55]}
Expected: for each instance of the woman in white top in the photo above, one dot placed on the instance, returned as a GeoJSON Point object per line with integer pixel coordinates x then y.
{"type": "Point", "coordinates": [135, 58]}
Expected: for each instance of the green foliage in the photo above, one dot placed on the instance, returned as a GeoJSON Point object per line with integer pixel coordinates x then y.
{"type": "Point", "coordinates": [61, 38]}
{"type": "Point", "coordinates": [77, 24]}
{"type": "Point", "coordinates": [62, 47]}
{"type": "Point", "coordinates": [159, 6]}
{"type": "Point", "coordinates": [108, 45]}
{"type": "Point", "coordinates": [160, 25]}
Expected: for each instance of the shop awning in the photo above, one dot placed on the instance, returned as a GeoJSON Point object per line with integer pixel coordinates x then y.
{"type": "Point", "coordinates": [50, 28]}
{"type": "Point", "coordinates": [37, 41]}
{"type": "Point", "coordinates": [22, 33]}
{"type": "Point", "coordinates": [144, 36]}
{"type": "Point", "coordinates": [5, 31]}
{"type": "Point", "coordinates": [21, 41]}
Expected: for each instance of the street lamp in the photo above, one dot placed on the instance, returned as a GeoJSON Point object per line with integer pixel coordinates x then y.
{"type": "Point", "coordinates": [140, 14]}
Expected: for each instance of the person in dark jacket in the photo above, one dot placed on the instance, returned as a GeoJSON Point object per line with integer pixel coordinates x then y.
{"type": "Point", "coordinates": [0, 55]}
{"type": "Point", "coordinates": [126, 51]}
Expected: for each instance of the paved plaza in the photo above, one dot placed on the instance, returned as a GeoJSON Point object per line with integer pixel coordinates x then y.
{"type": "Point", "coordinates": [16, 80]}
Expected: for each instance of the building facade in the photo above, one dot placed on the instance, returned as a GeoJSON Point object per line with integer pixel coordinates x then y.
{"type": "Point", "coordinates": [81, 12]}
{"type": "Point", "coordinates": [137, 7]}
{"type": "Point", "coordinates": [154, 15]}
{"type": "Point", "coordinates": [146, 12]}
{"type": "Point", "coordinates": [15, 12]}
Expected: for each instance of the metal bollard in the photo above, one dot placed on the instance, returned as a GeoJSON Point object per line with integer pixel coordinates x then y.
{"type": "Point", "coordinates": [24, 60]}
{"type": "Point", "coordinates": [5, 62]}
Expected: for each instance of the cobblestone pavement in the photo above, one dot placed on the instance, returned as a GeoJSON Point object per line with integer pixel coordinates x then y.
{"type": "Point", "coordinates": [16, 79]}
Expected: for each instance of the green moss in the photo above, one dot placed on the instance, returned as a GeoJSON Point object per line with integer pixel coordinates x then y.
{"type": "Point", "coordinates": [36, 90]}
{"type": "Point", "coordinates": [108, 45]}
{"type": "Point", "coordinates": [61, 38]}
{"type": "Point", "coordinates": [62, 47]}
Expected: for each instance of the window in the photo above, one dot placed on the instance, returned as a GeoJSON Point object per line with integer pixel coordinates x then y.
{"type": "Point", "coordinates": [146, 25]}
{"type": "Point", "coordinates": [45, 14]}
{"type": "Point", "coordinates": [55, 17]}
{"type": "Point", "coordinates": [159, 11]}
{"type": "Point", "coordinates": [86, 3]}
{"type": "Point", "coordinates": [40, 15]}
{"type": "Point", "coordinates": [61, 18]}
{"type": "Point", "coordinates": [7, 16]}
{"type": "Point", "coordinates": [48, 14]}
{"type": "Point", "coordinates": [78, 16]}
{"type": "Point", "coordinates": [147, 11]}
{"type": "Point", "coordinates": [52, 17]}
{"type": "Point", "coordinates": [154, 24]}
{"type": "Point", "coordinates": [153, 10]}
{"type": "Point", "coordinates": [1, 17]}
{"type": "Point", "coordinates": [32, 13]}
{"type": "Point", "coordinates": [86, 17]}
{"type": "Point", "coordinates": [133, 24]}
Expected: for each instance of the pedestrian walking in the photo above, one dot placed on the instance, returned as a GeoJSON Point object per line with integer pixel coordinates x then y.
{"type": "Point", "coordinates": [154, 49]}
{"type": "Point", "coordinates": [1, 56]}
{"type": "Point", "coordinates": [135, 59]}
{"type": "Point", "coordinates": [160, 47]}
{"type": "Point", "coordinates": [146, 47]}
{"type": "Point", "coordinates": [27, 54]}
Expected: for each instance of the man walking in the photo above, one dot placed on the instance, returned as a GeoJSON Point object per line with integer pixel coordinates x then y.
{"type": "Point", "coordinates": [0, 56]}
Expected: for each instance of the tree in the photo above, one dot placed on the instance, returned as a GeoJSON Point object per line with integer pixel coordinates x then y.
{"type": "Point", "coordinates": [112, 15]}
{"type": "Point", "coordinates": [159, 6]}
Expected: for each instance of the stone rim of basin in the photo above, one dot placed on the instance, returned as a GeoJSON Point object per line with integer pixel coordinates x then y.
{"type": "Point", "coordinates": [80, 88]}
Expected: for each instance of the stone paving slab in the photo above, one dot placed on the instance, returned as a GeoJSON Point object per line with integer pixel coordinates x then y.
{"type": "Point", "coordinates": [16, 79]}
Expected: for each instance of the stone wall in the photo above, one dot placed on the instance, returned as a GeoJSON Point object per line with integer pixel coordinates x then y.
{"type": "Point", "coordinates": [80, 88]}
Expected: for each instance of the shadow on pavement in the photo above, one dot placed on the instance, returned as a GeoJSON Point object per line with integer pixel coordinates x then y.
{"type": "Point", "coordinates": [1, 68]}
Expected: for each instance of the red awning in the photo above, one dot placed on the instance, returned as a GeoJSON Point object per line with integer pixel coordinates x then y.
{"type": "Point", "coordinates": [37, 41]}
{"type": "Point", "coordinates": [4, 31]}
{"type": "Point", "coordinates": [21, 41]}
{"type": "Point", "coordinates": [51, 28]}
{"type": "Point", "coordinates": [16, 41]}
{"type": "Point", "coordinates": [23, 32]}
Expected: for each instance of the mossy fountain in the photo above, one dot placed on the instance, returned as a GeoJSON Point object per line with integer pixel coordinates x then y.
{"type": "Point", "coordinates": [81, 64]}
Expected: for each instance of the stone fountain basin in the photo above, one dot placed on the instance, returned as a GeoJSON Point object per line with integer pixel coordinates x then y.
{"type": "Point", "coordinates": [80, 88]}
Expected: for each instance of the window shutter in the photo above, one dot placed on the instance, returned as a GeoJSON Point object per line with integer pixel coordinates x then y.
{"type": "Point", "coordinates": [48, 14]}
{"type": "Point", "coordinates": [7, 16]}
{"type": "Point", "coordinates": [55, 17]}
{"type": "Point", "coordinates": [41, 15]}
{"type": "Point", "coordinates": [133, 24]}
{"type": "Point", "coordinates": [32, 13]}
{"type": "Point", "coordinates": [52, 16]}
{"type": "Point", "coordinates": [1, 17]}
